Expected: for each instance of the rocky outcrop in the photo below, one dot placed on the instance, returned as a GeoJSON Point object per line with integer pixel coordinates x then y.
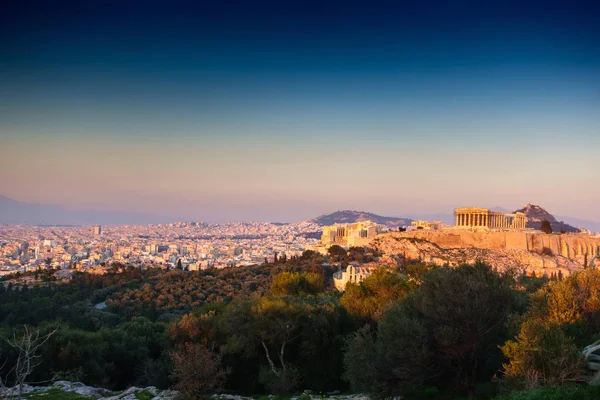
{"type": "Point", "coordinates": [133, 392]}
{"type": "Point", "coordinates": [520, 252]}
{"type": "Point", "coordinates": [92, 392]}
{"type": "Point", "coordinates": [536, 214]}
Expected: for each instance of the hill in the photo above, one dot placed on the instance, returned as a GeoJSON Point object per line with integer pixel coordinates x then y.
{"type": "Point", "coordinates": [18, 212]}
{"type": "Point", "coordinates": [350, 216]}
{"type": "Point", "coordinates": [536, 214]}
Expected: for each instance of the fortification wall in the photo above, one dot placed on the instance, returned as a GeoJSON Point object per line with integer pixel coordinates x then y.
{"type": "Point", "coordinates": [572, 246]}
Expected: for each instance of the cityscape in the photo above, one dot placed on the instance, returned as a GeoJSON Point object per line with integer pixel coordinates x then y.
{"type": "Point", "coordinates": [299, 200]}
{"type": "Point", "coordinates": [189, 245]}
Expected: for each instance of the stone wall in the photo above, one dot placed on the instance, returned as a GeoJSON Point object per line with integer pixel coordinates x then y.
{"type": "Point", "coordinates": [571, 246]}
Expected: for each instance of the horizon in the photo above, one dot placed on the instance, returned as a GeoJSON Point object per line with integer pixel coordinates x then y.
{"type": "Point", "coordinates": [571, 219]}
{"type": "Point", "coordinates": [280, 112]}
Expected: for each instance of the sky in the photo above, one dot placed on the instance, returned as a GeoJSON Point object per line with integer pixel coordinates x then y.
{"type": "Point", "coordinates": [282, 111]}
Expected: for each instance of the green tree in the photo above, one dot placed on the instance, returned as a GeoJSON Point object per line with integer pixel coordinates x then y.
{"type": "Point", "coordinates": [296, 284]}
{"type": "Point", "coordinates": [546, 227]}
{"type": "Point", "coordinates": [563, 317]}
{"type": "Point", "coordinates": [337, 252]}
{"type": "Point", "coordinates": [452, 323]}
{"type": "Point", "coordinates": [368, 300]}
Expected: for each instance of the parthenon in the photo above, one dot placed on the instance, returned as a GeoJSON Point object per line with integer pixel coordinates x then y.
{"type": "Point", "coordinates": [473, 217]}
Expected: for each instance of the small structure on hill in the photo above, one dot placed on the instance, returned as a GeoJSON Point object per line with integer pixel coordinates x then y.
{"type": "Point", "coordinates": [349, 235]}
{"type": "Point", "coordinates": [428, 225]}
{"type": "Point", "coordinates": [352, 274]}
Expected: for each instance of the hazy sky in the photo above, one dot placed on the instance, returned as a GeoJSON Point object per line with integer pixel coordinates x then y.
{"type": "Point", "coordinates": [225, 110]}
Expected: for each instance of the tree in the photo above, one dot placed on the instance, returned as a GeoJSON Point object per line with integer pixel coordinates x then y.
{"type": "Point", "coordinates": [446, 333]}
{"type": "Point", "coordinates": [336, 251]}
{"type": "Point", "coordinates": [368, 300]}
{"type": "Point", "coordinates": [392, 362]}
{"type": "Point", "coordinates": [198, 370]}
{"type": "Point", "coordinates": [296, 284]}
{"type": "Point", "coordinates": [542, 354]}
{"type": "Point", "coordinates": [277, 323]}
{"type": "Point", "coordinates": [546, 227]}
{"type": "Point", "coordinates": [563, 317]}
{"type": "Point", "coordinates": [179, 266]}
{"type": "Point", "coordinates": [28, 355]}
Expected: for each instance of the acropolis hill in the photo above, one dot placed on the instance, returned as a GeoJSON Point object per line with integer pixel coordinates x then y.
{"type": "Point", "coordinates": [500, 240]}
{"type": "Point", "coordinates": [524, 252]}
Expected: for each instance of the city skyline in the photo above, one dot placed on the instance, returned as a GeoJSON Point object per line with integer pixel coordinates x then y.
{"type": "Point", "coordinates": [283, 112]}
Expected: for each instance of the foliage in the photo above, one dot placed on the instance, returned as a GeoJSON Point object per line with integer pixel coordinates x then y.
{"type": "Point", "coordinates": [279, 381]}
{"type": "Point", "coordinates": [546, 227]}
{"type": "Point", "coordinates": [368, 300]}
{"type": "Point", "coordinates": [566, 392]}
{"type": "Point", "coordinates": [197, 370]}
{"type": "Point", "coordinates": [414, 330]}
{"type": "Point", "coordinates": [296, 284]}
{"type": "Point", "coordinates": [445, 334]}
{"type": "Point", "coordinates": [562, 319]}
{"type": "Point", "coordinates": [144, 395]}
{"type": "Point", "coordinates": [54, 394]}
{"type": "Point", "coordinates": [542, 355]}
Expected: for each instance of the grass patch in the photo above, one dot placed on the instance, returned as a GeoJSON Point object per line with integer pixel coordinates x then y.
{"type": "Point", "coordinates": [273, 397]}
{"type": "Point", "coordinates": [55, 394]}
{"type": "Point", "coordinates": [144, 395]}
{"type": "Point", "coordinates": [565, 392]}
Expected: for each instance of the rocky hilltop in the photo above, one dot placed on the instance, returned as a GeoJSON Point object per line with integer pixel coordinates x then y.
{"type": "Point", "coordinates": [536, 214]}
{"type": "Point", "coordinates": [521, 252]}
{"type": "Point", "coordinates": [350, 216]}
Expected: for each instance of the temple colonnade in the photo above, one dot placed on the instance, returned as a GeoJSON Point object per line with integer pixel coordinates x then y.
{"type": "Point", "coordinates": [472, 217]}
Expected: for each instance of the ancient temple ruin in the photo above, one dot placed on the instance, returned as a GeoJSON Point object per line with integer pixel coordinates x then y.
{"type": "Point", "coordinates": [473, 217]}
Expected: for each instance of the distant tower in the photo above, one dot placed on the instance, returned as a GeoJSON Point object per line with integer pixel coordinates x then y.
{"type": "Point", "coordinates": [97, 230]}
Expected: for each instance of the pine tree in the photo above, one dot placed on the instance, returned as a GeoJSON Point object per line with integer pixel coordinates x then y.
{"type": "Point", "coordinates": [546, 227]}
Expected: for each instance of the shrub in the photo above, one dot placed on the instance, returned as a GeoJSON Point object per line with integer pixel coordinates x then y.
{"type": "Point", "coordinates": [197, 370]}
{"type": "Point", "coordinates": [279, 381]}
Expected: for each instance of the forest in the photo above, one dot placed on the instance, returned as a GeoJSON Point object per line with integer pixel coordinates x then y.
{"type": "Point", "coordinates": [416, 331]}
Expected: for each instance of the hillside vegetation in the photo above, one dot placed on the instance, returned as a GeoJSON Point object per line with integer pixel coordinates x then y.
{"type": "Point", "coordinates": [281, 328]}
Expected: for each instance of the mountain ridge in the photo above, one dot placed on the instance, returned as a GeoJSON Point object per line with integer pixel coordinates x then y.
{"type": "Point", "coordinates": [19, 212]}
{"type": "Point", "coordinates": [536, 214]}
{"type": "Point", "coordinates": [351, 216]}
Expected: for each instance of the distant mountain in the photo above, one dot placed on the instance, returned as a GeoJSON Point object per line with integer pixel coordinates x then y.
{"type": "Point", "coordinates": [593, 226]}
{"type": "Point", "coordinates": [17, 212]}
{"type": "Point", "coordinates": [349, 216]}
{"type": "Point", "coordinates": [536, 214]}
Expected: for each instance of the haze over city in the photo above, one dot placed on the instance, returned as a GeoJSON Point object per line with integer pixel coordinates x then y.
{"type": "Point", "coordinates": [277, 112]}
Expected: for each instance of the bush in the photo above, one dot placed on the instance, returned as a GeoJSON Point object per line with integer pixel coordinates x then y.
{"type": "Point", "coordinates": [197, 370]}
{"type": "Point", "coordinates": [279, 381]}
{"type": "Point", "coordinates": [542, 355]}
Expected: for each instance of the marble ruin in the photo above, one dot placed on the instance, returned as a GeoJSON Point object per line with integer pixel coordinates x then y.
{"type": "Point", "coordinates": [353, 274]}
{"type": "Point", "coordinates": [427, 225]}
{"type": "Point", "coordinates": [350, 235]}
{"type": "Point", "coordinates": [473, 217]}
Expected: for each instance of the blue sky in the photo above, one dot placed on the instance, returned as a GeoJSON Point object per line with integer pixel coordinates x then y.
{"type": "Point", "coordinates": [271, 111]}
